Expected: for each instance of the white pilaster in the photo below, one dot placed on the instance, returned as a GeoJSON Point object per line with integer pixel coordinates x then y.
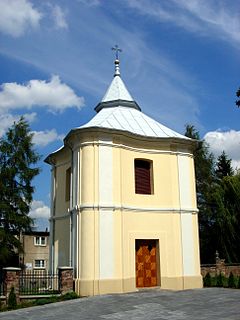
{"type": "Point", "coordinates": [106, 252]}
{"type": "Point", "coordinates": [185, 198]}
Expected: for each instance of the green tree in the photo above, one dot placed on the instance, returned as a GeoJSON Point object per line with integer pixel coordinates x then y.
{"type": "Point", "coordinates": [231, 281]}
{"type": "Point", "coordinates": [12, 299]}
{"type": "Point", "coordinates": [226, 218]}
{"type": "Point", "coordinates": [205, 181]}
{"type": "Point", "coordinates": [238, 95]}
{"type": "Point", "coordinates": [17, 170]}
{"type": "Point", "coordinates": [224, 166]}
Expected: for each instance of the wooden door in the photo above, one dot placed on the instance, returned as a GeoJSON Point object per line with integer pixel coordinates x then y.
{"type": "Point", "coordinates": [146, 263]}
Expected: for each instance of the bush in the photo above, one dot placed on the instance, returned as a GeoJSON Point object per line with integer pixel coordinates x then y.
{"type": "Point", "coordinates": [69, 296]}
{"type": "Point", "coordinates": [231, 281]}
{"type": "Point", "coordinates": [40, 302]}
{"type": "Point", "coordinates": [238, 283]}
{"type": "Point", "coordinates": [207, 280]}
{"type": "Point", "coordinates": [12, 299]}
{"type": "Point", "coordinates": [220, 280]}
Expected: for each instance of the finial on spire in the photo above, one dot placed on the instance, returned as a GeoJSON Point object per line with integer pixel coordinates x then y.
{"type": "Point", "coordinates": [116, 49]}
{"type": "Point", "coordinates": [117, 62]}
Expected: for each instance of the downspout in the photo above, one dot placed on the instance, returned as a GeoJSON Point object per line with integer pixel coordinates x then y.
{"type": "Point", "coordinates": [51, 220]}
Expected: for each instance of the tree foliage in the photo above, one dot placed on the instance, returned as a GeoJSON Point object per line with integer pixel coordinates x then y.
{"type": "Point", "coordinates": [224, 166]}
{"type": "Point", "coordinates": [218, 199]}
{"type": "Point", "coordinates": [17, 160]}
{"type": "Point", "coordinates": [205, 180]}
{"type": "Point", "coordinates": [226, 198]}
{"type": "Point", "coordinates": [238, 100]}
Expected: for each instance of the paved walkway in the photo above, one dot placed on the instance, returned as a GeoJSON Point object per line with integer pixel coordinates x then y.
{"type": "Point", "coordinates": [210, 304]}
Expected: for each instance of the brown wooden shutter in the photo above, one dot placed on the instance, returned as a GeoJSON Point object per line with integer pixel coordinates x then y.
{"type": "Point", "coordinates": [142, 176]}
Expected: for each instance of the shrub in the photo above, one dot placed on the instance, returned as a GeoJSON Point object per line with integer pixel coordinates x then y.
{"type": "Point", "coordinates": [231, 281]}
{"type": "Point", "coordinates": [207, 280]}
{"type": "Point", "coordinates": [40, 302]}
{"type": "Point", "coordinates": [12, 299]}
{"type": "Point", "coordinates": [238, 283]}
{"type": "Point", "coordinates": [69, 296]}
{"type": "Point", "coordinates": [220, 279]}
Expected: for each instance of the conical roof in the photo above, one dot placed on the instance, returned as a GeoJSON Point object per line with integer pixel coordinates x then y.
{"type": "Point", "coordinates": [117, 90]}
{"type": "Point", "coordinates": [119, 111]}
{"type": "Point", "coordinates": [117, 94]}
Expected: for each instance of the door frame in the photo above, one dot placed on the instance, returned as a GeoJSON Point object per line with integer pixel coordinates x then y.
{"type": "Point", "coordinates": [158, 275]}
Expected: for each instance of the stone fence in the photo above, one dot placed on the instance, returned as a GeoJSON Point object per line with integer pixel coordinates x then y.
{"type": "Point", "coordinates": [220, 267]}
{"type": "Point", "coordinates": [12, 278]}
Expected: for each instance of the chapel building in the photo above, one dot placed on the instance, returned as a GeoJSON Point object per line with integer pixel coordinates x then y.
{"type": "Point", "coordinates": [123, 211]}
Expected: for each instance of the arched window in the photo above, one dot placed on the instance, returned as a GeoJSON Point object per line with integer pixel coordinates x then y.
{"type": "Point", "coordinates": [143, 176]}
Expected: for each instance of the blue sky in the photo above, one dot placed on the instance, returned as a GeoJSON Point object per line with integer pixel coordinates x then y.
{"type": "Point", "coordinates": [180, 61]}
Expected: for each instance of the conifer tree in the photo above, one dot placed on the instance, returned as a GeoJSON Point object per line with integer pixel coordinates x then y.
{"type": "Point", "coordinates": [226, 222]}
{"type": "Point", "coordinates": [224, 166]}
{"type": "Point", "coordinates": [17, 170]}
{"type": "Point", "coordinates": [205, 181]}
{"type": "Point", "coordinates": [238, 95]}
{"type": "Point", "coordinates": [218, 200]}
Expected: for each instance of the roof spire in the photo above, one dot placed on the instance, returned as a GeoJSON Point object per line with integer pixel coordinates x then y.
{"type": "Point", "coordinates": [117, 62]}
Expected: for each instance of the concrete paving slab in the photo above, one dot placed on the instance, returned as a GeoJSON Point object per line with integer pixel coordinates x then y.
{"type": "Point", "coordinates": [200, 304]}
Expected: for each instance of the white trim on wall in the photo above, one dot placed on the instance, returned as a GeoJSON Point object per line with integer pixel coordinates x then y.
{"type": "Point", "coordinates": [187, 245]}
{"type": "Point", "coordinates": [185, 186]}
{"type": "Point", "coordinates": [106, 251]}
{"type": "Point", "coordinates": [185, 199]}
{"type": "Point", "coordinates": [123, 146]}
{"type": "Point", "coordinates": [131, 209]}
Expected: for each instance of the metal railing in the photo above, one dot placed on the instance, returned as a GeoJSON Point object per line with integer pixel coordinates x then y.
{"type": "Point", "coordinates": [38, 282]}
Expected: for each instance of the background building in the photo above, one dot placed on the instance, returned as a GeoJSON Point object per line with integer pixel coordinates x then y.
{"type": "Point", "coordinates": [124, 209]}
{"type": "Point", "coordinates": [36, 250]}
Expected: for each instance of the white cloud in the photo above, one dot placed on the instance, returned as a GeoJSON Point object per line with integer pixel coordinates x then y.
{"type": "Point", "coordinates": [54, 95]}
{"type": "Point", "coordinates": [43, 138]}
{"type": "Point", "coordinates": [30, 117]}
{"type": "Point", "coordinates": [39, 210]}
{"type": "Point", "coordinates": [59, 17]}
{"type": "Point", "coordinates": [40, 138]}
{"type": "Point", "coordinates": [7, 120]}
{"type": "Point", "coordinates": [202, 16]}
{"type": "Point", "coordinates": [18, 16]}
{"type": "Point", "coordinates": [228, 141]}
{"type": "Point", "coordinates": [214, 15]}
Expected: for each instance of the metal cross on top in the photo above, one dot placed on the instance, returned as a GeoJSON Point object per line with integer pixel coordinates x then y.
{"type": "Point", "coordinates": [116, 49]}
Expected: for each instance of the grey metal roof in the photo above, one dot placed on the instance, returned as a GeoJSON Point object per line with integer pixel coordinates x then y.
{"type": "Point", "coordinates": [119, 111]}
{"type": "Point", "coordinates": [131, 120]}
{"type": "Point", "coordinates": [117, 91]}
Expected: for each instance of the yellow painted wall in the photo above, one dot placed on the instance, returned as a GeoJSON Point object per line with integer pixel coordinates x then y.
{"type": "Point", "coordinates": [61, 242]}
{"type": "Point", "coordinates": [62, 164]}
{"type": "Point", "coordinates": [133, 221]}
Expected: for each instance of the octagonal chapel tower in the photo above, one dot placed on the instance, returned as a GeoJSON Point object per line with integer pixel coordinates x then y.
{"type": "Point", "coordinates": [123, 211]}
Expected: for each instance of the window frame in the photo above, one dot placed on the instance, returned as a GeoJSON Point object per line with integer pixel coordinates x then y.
{"type": "Point", "coordinates": [151, 180]}
{"type": "Point", "coordinates": [38, 241]}
{"type": "Point", "coordinates": [41, 265]}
